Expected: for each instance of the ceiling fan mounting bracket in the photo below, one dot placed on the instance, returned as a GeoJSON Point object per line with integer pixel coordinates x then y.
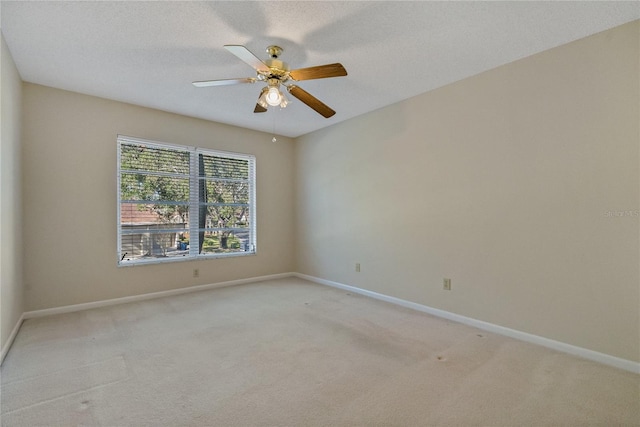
{"type": "Point", "coordinates": [274, 51]}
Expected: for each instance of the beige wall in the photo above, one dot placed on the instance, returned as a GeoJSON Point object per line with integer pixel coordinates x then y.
{"type": "Point", "coordinates": [11, 289]}
{"type": "Point", "coordinates": [70, 199]}
{"type": "Point", "coordinates": [501, 182]}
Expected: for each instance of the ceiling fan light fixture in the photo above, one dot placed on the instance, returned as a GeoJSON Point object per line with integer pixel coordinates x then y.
{"type": "Point", "coordinates": [284, 101]}
{"type": "Point", "coordinates": [262, 100]}
{"type": "Point", "coordinates": [273, 96]}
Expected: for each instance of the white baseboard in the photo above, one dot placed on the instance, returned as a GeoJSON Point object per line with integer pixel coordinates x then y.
{"type": "Point", "coordinates": [595, 356]}
{"type": "Point", "coordinates": [143, 297]}
{"type": "Point", "coordinates": [606, 359]}
{"type": "Point", "coordinates": [12, 336]}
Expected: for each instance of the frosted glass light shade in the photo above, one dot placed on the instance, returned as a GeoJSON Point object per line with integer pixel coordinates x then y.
{"type": "Point", "coordinates": [274, 97]}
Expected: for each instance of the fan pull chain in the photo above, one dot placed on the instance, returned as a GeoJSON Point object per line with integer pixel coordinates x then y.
{"type": "Point", "coordinates": [274, 139]}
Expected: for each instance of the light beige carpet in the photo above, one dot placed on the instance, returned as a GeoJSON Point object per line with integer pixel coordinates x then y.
{"type": "Point", "coordinates": [293, 353]}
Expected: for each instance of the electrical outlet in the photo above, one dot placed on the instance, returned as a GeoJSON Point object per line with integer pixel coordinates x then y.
{"type": "Point", "coordinates": [446, 284]}
{"type": "Point", "coordinates": [196, 272]}
{"type": "Point", "coordinates": [357, 267]}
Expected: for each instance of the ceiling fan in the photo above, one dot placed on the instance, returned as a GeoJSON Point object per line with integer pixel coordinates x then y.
{"type": "Point", "coordinates": [276, 74]}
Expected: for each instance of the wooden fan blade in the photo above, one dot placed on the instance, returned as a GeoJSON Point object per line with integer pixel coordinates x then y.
{"type": "Point", "coordinates": [245, 55]}
{"type": "Point", "coordinates": [319, 72]}
{"type": "Point", "coordinates": [259, 108]}
{"type": "Point", "coordinates": [311, 101]}
{"type": "Point", "coordinates": [223, 82]}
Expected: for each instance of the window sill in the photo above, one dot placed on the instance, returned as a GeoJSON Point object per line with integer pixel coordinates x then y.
{"type": "Point", "coordinates": [152, 261]}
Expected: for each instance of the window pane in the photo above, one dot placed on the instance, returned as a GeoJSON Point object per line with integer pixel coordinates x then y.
{"type": "Point", "coordinates": [147, 231]}
{"type": "Point", "coordinates": [225, 242]}
{"type": "Point", "coordinates": [144, 244]}
{"type": "Point", "coordinates": [222, 167]}
{"type": "Point", "coordinates": [160, 216]}
{"type": "Point", "coordinates": [227, 217]}
{"type": "Point", "coordinates": [138, 186]}
{"type": "Point", "coordinates": [226, 191]}
{"type": "Point", "coordinates": [144, 158]}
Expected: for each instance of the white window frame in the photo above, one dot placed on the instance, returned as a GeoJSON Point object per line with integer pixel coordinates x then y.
{"type": "Point", "coordinates": [194, 204]}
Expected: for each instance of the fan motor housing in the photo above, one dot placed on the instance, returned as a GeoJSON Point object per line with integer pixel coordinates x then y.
{"type": "Point", "coordinates": [278, 68]}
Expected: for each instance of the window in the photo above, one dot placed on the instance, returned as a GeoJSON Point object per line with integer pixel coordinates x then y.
{"type": "Point", "coordinates": [179, 202]}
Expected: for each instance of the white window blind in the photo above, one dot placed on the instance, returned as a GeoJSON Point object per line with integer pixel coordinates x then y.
{"type": "Point", "coordinates": [182, 202]}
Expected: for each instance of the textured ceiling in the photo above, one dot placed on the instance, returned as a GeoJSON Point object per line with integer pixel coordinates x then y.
{"type": "Point", "coordinates": [148, 53]}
